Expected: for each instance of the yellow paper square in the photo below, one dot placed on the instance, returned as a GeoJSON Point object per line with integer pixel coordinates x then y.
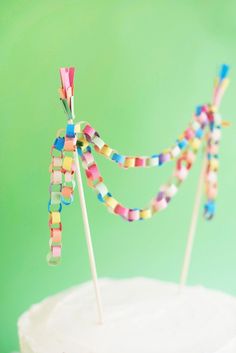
{"type": "Point", "coordinates": [145, 213]}
{"type": "Point", "coordinates": [111, 202]}
{"type": "Point", "coordinates": [196, 143]}
{"type": "Point", "coordinates": [67, 163]}
{"type": "Point", "coordinates": [84, 143]}
{"type": "Point", "coordinates": [106, 150]}
{"type": "Point", "coordinates": [56, 217]}
{"type": "Point", "coordinates": [129, 162]}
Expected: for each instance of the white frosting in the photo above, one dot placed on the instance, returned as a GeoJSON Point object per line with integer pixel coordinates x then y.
{"type": "Point", "coordinates": [141, 316]}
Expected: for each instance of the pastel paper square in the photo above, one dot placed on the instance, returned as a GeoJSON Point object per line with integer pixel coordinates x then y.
{"type": "Point", "coordinates": [67, 163]}
{"type": "Point", "coordinates": [56, 251]}
{"type": "Point", "coordinates": [55, 217]}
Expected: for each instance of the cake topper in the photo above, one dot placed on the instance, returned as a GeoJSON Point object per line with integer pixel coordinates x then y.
{"type": "Point", "coordinates": [81, 140]}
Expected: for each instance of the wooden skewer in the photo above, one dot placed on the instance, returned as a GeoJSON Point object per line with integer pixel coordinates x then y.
{"type": "Point", "coordinates": [193, 226]}
{"type": "Point", "coordinates": [88, 239]}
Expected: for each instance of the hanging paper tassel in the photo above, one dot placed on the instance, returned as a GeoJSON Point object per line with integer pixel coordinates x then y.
{"type": "Point", "coordinates": [220, 86]}
{"type": "Point", "coordinates": [67, 90]}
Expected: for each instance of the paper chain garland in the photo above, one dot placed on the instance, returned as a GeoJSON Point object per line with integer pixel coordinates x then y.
{"type": "Point", "coordinates": [206, 124]}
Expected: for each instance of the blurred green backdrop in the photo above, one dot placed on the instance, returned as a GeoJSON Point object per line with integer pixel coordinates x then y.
{"type": "Point", "coordinates": [142, 66]}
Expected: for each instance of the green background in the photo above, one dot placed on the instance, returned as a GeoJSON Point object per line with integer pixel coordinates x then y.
{"type": "Point", "coordinates": [142, 67]}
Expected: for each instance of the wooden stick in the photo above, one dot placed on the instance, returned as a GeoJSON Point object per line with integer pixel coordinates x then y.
{"type": "Point", "coordinates": [193, 226]}
{"type": "Point", "coordinates": [88, 239]}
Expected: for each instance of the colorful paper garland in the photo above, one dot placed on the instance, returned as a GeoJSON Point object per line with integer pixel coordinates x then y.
{"type": "Point", "coordinates": [206, 124]}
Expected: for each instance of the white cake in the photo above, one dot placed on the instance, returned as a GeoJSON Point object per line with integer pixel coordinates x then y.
{"type": "Point", "coordinates": [141, 316]}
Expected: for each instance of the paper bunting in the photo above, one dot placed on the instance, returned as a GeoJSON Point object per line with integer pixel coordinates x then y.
{"type": "Point", "coordinates": [206, 125]}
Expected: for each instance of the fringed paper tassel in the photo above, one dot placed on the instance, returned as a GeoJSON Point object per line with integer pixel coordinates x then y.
{"type": "Point", "coordinates": [221, 84]}
{"type": "Point", "coordinates": [68, 165]}
{"type": "Point", "coordinates": [67, 90]}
